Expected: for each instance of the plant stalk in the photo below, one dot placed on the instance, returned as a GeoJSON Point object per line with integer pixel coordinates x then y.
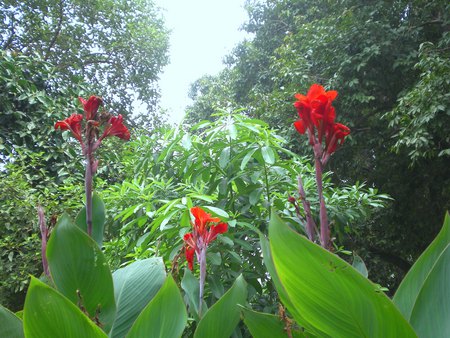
{"type": "Point", "coordinates": [324, 228]}
{"type": "Point", "coordinates": [202, 262]}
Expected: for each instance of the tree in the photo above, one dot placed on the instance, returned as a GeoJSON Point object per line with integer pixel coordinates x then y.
{"type": "Point", "coordinates": [118, 47]}
{"type": "Point", "coordinates": [368, 52]}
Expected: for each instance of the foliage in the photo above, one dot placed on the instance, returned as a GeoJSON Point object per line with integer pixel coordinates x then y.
{"type": "Point", "coordinates": [423, 112]}
{"type": "Point", "coordinates": [19, 232]}
{"type": "Point", "coordinates": [235, 168]}
{"type": "Point", "coordinates": [425, 285]}
{"type": "Point", "coordinates": [371, 52]}
{"type": "Point", "coordinates": [118, 47]}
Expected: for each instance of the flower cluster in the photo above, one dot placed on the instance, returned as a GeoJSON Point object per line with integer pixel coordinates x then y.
{"type": "Point", "coordinates": [114, 126]}
{"type": "Point", "coordinates": [317, 118]}
{"type": "Point", "coordinates": [205, 230]}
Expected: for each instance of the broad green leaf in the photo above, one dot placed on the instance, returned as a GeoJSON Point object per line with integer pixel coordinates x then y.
{"type": "Point", "coordinates": [408, 291]}
{"type": "Point", "coordinates": [134, 287]}
{"type": "Point", "coordinates": [221, 319]}
{"type": "Point", "coordinates": [165, 316]}
{"type": "Point", "coordinates": [224, 157]}
{"type": "Point", "coordinates": [98, 219]}
{"type": "Point", "coordinates": [268, 261]}
{"type": "Point", "coordinates": [268, 155]}
{"type": "Point", "coordinates": [265, 325]}
{"type": "Point", "coordinates": [77, 265]}
{"type": "Point", "coordinates": [11, 326]}
{"type": "Point", "coordinates": [217, 211]}
{"type": "Point", "coordinates": [431, 312]}
{"type": "Point", "coordinates": [247, 158]}
{"type": "Point", "coordinates": [47, 313]}
{"type": "Point", "coordinates": [191, 287]}
{"type": "Point", "coordinates": [328, 292]}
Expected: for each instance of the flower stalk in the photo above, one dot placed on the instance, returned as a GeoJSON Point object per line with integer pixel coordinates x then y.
{"type": "Point", "coordinates": [90, 142]}
{"type": "Point", "coordinates": [317, 120]}
{"type": "Point", "coordinates": [44, 238]}
{"type": "Point", "coordinates": [205, 229]}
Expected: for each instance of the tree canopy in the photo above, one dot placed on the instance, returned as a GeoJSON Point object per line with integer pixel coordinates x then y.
{"type": "Point", "coordinates": [389, 63]}
{"type": "Point", "coordinates": [118, 47]}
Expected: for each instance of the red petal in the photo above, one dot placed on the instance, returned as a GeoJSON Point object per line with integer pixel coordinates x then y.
{"type": "Point", "coordinates": [72, 123]}
{"type": "Point", "coordinates": [202, 218]}
{"type": "Point", "coordinates": [332, 94]}
{"type": "Point", "coordinates": [300, 126]}
{"type": "Point", "coordinates": [189, 253]}
{"type": "Point", "coordinates": [91, 106]}
{"type": "Point", "coordinates": [118, 129]}
{"type": "Point", "coordinates": [315, 91]}
{"type": "Point", "coordinates": [215, 230]}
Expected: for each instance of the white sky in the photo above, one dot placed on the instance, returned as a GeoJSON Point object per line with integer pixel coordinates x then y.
{"type": "Point", "coordinates": [203, 32]}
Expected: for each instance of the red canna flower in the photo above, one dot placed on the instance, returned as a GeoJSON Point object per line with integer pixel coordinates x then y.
{"type": "Point", "coordinates": [336, 137]}
{"type": "Point", "coordinates": [204, 232]}
{"type": "Point", "coordinates": [72, 123]}
{"type": "Point", "coordinates": [90, 106]}
{"type": "Point", "coordinates": [314, 109]}
{"type": "Point", "coordinates": [115, 127]}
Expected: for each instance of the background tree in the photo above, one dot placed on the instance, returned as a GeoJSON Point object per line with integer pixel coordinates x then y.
{"type": "Point", "coordinates": [393, 94]}
{"type": "Point", "coordinates": [118, 47]}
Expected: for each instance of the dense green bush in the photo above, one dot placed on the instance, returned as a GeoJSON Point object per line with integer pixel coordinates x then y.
{"type": "Point", "coordinates": [236, 168]}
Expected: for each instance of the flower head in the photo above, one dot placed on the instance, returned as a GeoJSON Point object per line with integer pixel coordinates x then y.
{"type": "Point", "coordinates": [317, 117]}
{"type": "Point", "coordinates": [315, 110]}
{"type": "Point", "coordinates": [115, 127]}
{"type": "Point", "coordinates": [336, 137]}
{"type": "Point", "coordinates": [205, 230]}
{"type": "Point", "coordinates": [90, 106]}
{"type": "Point", "coordinates": [72, 123]}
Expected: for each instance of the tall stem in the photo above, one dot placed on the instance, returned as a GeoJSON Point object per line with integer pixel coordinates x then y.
{"type": "Point", "coordinates": [310, 224]}
{"type": "Point", "coordinates": [266, 181]}
{"type": "Point", "coordinates": [202, 262]}
{"type": "Point", "coordinates": [324, 228]}
{"type": "Point", "coordinates": [44, 236]}
{"type": "Point", "coordinates": [88, 177]}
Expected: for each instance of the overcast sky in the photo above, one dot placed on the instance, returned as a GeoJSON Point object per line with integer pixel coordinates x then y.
{"type": "Point", "coordinates": [203, 32]}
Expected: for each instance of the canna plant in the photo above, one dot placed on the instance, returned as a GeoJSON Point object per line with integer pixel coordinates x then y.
{"type": "Point", "coordinates": [322, 295]}
{"type": "Point", "coordinates": [317, 119]}
{"type": "Point", "coordinates": [79, 297]}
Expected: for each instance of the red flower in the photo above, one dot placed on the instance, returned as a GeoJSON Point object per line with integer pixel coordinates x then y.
{"type": "Point", "coordinates": [336, 137]}
{"type": "Point", "coordinates": [72, 123]}
{"type": "Point", "coordinates": [91, 106]}
{"type": "Point", "coordinates": [116, 127]}
{"type": "Point", "coordinates": [315, 109]}
{"type": "Point", "coordinates": [204, 232]}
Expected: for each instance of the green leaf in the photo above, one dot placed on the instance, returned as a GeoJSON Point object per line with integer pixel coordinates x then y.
{"type": "Point", "coordinates": [78, 265]}
{"type": "Point", "coordinates": [328, 292]}
{"type": "Point", "coordinates": [47, 313]}
{"type": "Point", "coordinates": [98, 219]}
{"type": "Point", "coordinates": [268, 155]}
{"type": "Point", "coordinates": [217, 211]}
{"type": "Point", "coordinates": [431, 312]}
{"type": "Point", "coordinates": [191, 287]}
{"type": "Point", "coordinates": [213, 323]}
{"type": "Point", "coordinates": [247, 158]}
{"type": "Point", "coordinates": [408, 291]}
{"type": "Point", "coordinates": [11, 326]}
{"type": "Point", "coordinates": [265, 325]}
{"type": "Point", "coordinates": [134, 287]}
{"type": "Point", "coordinates": [268, 261]}
{"type": "Point", "coordinates": [359, 265]}
{"type": "Point", "coordinates": [423, 296]}
{"type": "Point", "coordinates": [224, 157]}
{"type": "Point", "coordinates": [165, 316]}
